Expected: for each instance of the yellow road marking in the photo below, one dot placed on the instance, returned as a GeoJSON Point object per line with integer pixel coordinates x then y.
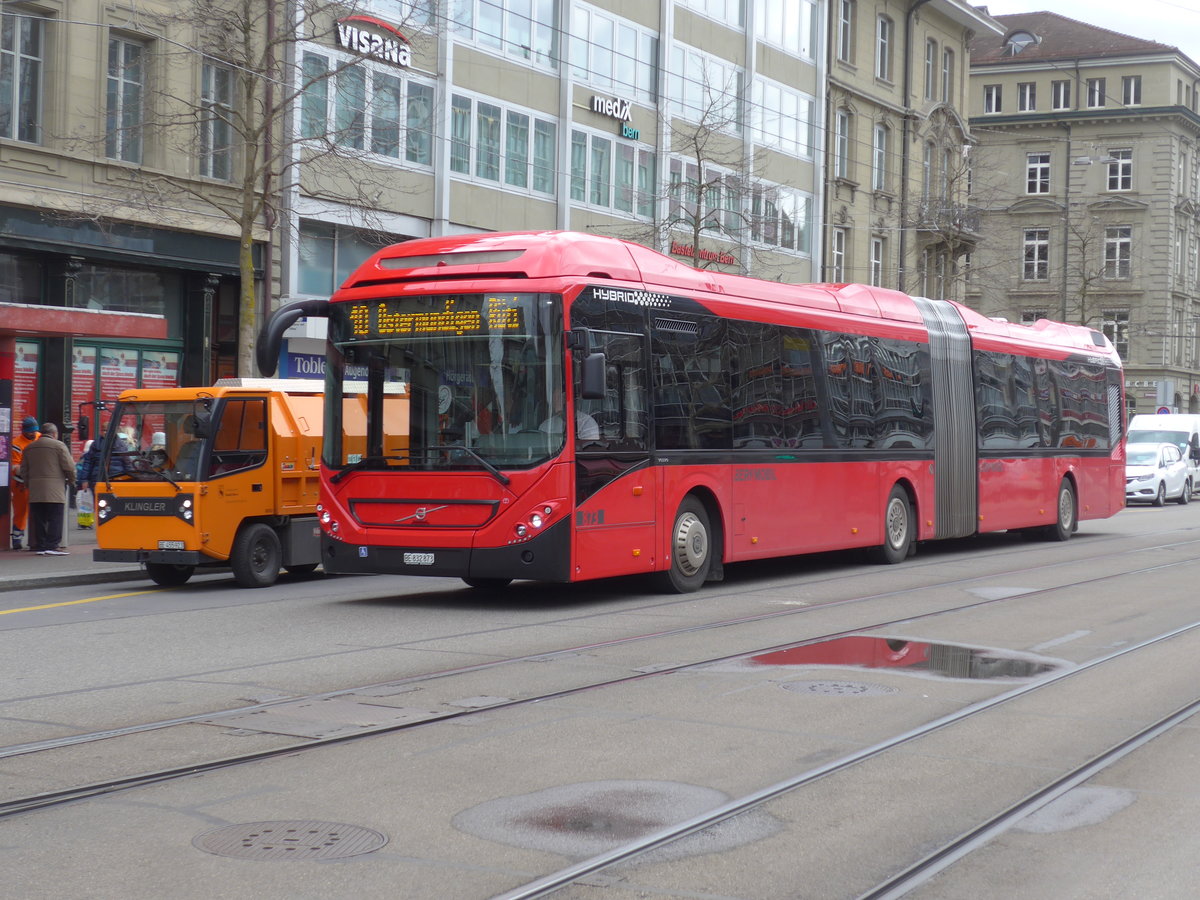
{"type": "Point", "coordinates": [5, 612]}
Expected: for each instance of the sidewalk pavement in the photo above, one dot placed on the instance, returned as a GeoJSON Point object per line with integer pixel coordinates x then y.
{"type": "Point", "coordinates": [23, 569]}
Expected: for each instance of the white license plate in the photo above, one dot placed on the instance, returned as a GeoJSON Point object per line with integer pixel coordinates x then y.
{"type": "Point", "coordinates": [418, 559]}
{"type": "Point", "coordinates": [170, 545]}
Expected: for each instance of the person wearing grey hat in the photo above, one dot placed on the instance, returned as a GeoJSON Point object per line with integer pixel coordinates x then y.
{"type": "Point", "coordinates": [19, 494]}
{"type": "Point", "coordinates": [48, 470]}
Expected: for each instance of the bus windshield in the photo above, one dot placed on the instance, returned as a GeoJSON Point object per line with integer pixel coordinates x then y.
{"type": "Point", "coordinates": [462, 381]}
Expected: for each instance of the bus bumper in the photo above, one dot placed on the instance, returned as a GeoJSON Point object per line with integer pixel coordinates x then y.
{"type": "Point", "coordinates": [546, 557]}
{"type": "Point", "coordinates": [168, 557]}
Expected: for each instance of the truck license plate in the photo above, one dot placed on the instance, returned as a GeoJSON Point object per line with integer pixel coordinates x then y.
{"type": "Point", "coordinates": [418, 559]}
{"type": "Point", "coordinates": [170, 545]}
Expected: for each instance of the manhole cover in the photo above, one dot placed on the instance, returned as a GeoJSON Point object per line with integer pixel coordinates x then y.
{"type": "Point", "coordinates": [289, 840]}
{"type": "Point", "coordinates": [839, 688]}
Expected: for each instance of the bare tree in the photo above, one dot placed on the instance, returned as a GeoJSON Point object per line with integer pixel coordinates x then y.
{"type": "Point", "coordinates": [227, 150]}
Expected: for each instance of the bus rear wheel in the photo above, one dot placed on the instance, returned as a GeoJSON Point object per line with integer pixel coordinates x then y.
{"type": "Point", "coordinates": [256, 556]}
{"type": "Point", "coordinates": [691, 549]}
{"type": "Point", "coordinates": [897, 528]}
{"type": "Point", "coordinates": [169, 575]}
{"type": "Point", "coordinates": [1064, 524]}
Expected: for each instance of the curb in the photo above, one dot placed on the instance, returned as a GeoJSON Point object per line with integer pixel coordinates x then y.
{"type": "Point", "coordinates": [23, 582]}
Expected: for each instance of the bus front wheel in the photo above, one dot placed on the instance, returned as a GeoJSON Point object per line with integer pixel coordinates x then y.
{"type": "Point", "coordinates": [897, 528]}
{"type": "Point", "coordinates": [169, 575]}
{"type": "Point", "coordinates": [256, 556]}
{"type": "Point", "coordinates": [691, 549]}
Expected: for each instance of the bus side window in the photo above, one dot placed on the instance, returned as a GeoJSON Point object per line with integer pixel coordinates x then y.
{"type": "Point", "coordinates": [241, 439]}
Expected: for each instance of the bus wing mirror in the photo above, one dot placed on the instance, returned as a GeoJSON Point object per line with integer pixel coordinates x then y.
{"type": "Point", "coordinates": [591, 384]}
{"type": "Point", "coordinates": [85, 428]}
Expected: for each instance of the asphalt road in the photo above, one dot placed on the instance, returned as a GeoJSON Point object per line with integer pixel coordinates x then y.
{"type": "Point", "coordinates": [421, 739]}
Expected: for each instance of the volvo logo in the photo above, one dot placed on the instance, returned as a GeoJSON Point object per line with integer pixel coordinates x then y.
{"type": "Point", "coordinates": [421, 513]}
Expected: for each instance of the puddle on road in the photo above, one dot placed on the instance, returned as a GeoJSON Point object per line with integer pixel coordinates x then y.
{"type": "Point", "coordinates": [914, 657]}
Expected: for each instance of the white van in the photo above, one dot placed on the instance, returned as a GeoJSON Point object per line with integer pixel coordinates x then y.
{"type": "Point", "coordinates": [1179, 429]}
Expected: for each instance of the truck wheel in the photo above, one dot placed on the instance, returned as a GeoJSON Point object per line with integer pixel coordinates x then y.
{"type": "Point", "coordinates": [256, 556]}
{"type": "Point", "coordinates": [168, 575]}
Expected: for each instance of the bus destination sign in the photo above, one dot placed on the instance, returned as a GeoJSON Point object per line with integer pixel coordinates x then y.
{"type": "Point", "coordinates": [454, 316]}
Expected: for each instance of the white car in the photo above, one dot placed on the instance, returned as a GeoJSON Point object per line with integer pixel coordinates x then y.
{"type": "Point", "coordinates": [1156, 473]}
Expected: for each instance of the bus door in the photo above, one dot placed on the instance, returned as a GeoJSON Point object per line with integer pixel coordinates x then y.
{"type": "Point", "coordinates": [615, 486]}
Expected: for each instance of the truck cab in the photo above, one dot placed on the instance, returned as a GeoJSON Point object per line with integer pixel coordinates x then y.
{"type": "Point", "coordinates": [222, 476]}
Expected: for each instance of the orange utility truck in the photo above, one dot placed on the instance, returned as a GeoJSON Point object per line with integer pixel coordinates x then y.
{"type": "Point", "coordinates": [222, 476]}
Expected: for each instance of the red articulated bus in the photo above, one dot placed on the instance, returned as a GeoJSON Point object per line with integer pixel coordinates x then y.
{"type": "Point", "coordinates": [561, 407]}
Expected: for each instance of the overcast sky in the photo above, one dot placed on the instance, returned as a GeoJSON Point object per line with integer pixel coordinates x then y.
{"type": "Point", "coordinates": [1174, 22]}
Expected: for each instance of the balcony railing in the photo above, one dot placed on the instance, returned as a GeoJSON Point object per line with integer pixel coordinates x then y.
{"type": "Point", "coordinates": [936, 215]}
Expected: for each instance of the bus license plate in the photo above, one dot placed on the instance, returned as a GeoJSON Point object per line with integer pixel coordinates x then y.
{"type": "Point", "coordinates": [418, 559]}
{"type": "Point", "coordinates": [170, 545]}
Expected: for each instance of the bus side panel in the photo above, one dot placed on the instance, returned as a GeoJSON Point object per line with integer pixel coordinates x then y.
{"type": "Point", "coordinates": [793, 507]}
{"type": "Point", "coordinates": [1018, 493]}
{"type": "Point", "coordinates": [674, 483]}
{"type": "Point", "coordinates": [615, 528]}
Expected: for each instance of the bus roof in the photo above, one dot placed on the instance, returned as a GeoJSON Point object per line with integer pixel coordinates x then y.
{"type": "Point", "coordinates": [525, 255]}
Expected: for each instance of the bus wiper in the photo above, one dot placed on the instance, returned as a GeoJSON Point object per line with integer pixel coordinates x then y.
{"type": "Point", "coordinates": [496, 473]}
{"type": "Point", "coordinates": [365, 463]}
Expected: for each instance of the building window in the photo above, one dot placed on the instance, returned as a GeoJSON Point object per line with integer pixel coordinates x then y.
{"type": "Point", "coordinates": [779, 216]}
{"type": "Point", "coordinates": [931, 48]}
{"type": "Point", "coordinates": [947, 75]}
{"type": "Point", "coordinates": [706, 88]}
{"type": "Point", "coordinates": [1116, 329]}
{"type": "Point", "coordinates": [369, 110]}
{"type": "Point", "coordinates": [837, 256]}
{"type": "Point", "coordinates": [1118, 251]}
{"type": "Point", "coordinates": [1036, 253]}
{"type": "Point", "coordinates": [519, 28]}
{"type": "Point", "coordinates": [1029, 316]}
{"type": "Point", "coordinates": [992, 98]}
{"type": "Point", "coordinates": [790, 25]}
{"type": "Point", "coordinates": [328, 254]}
{"type": "Point", "coordinates": [841, 144]}
{"type": "Point", "coordinates": [1037, 173]}
{"type": "Point", "coordinates": [1131, 90]}
{"type": "Point", "coordinates": [781, 118]}
{"type": "Point", "coordinates": [1060, 94]}
{"type": "Point", "coordinates": [613, 53]}
{"type": "Point", "coordinates": [612, 174]}
{"type": "Point", "coordinates": [1095, 92]}
{"type": "Point", "coordinates": [879, 155]}
{"type": "Point", "coordinates": [884, 38]}
{"type": "Point", "coordinates": [847, 13]}
{"type": "Point", "coordinates": [877, 255]}
{"type": "Point", "coordinates": [21, 77]}
{"type": "Point", "coordinates": [1120, 170]}
{"type": "Point", "coordinates": [505, 145]}
{"type": "Point", "coordinates": [1027, 96]}
{"type": "Point", "coordinates": [927, 171]}
{"type": "Point", "coordinates": [216, 128]}
{"type": "Point", "coordinates": [123, 101]}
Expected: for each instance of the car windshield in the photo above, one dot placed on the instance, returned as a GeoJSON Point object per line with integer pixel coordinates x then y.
{"type": "Point", "coordinates": [146, 440]}
{"type": "Point", "coordinates": [1178, 438]}
{"type": "Point", "coordinates": [466, 381]}
{"type": "Point", "coordinates": [1147, 457]}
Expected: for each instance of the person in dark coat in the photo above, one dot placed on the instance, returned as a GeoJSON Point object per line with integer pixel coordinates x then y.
{"type": "Point", "coordinates": [49, 473]}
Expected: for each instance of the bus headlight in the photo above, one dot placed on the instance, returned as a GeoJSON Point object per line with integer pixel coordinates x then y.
{"type": "Point", "coordinates": [536, 520]}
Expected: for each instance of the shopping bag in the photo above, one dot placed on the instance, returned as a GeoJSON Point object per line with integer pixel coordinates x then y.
{"type": "Point", "coordinates": [84, 510]}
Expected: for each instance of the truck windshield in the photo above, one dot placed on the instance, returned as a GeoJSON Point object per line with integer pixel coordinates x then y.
{"type": "Point", "coordinates": [463, 381]}
{"type": "Point", "coordinates": [154, 441]}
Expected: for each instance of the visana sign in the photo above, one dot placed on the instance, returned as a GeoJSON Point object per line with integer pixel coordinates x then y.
{"type": "Point", "coordinates": [372, 44]}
